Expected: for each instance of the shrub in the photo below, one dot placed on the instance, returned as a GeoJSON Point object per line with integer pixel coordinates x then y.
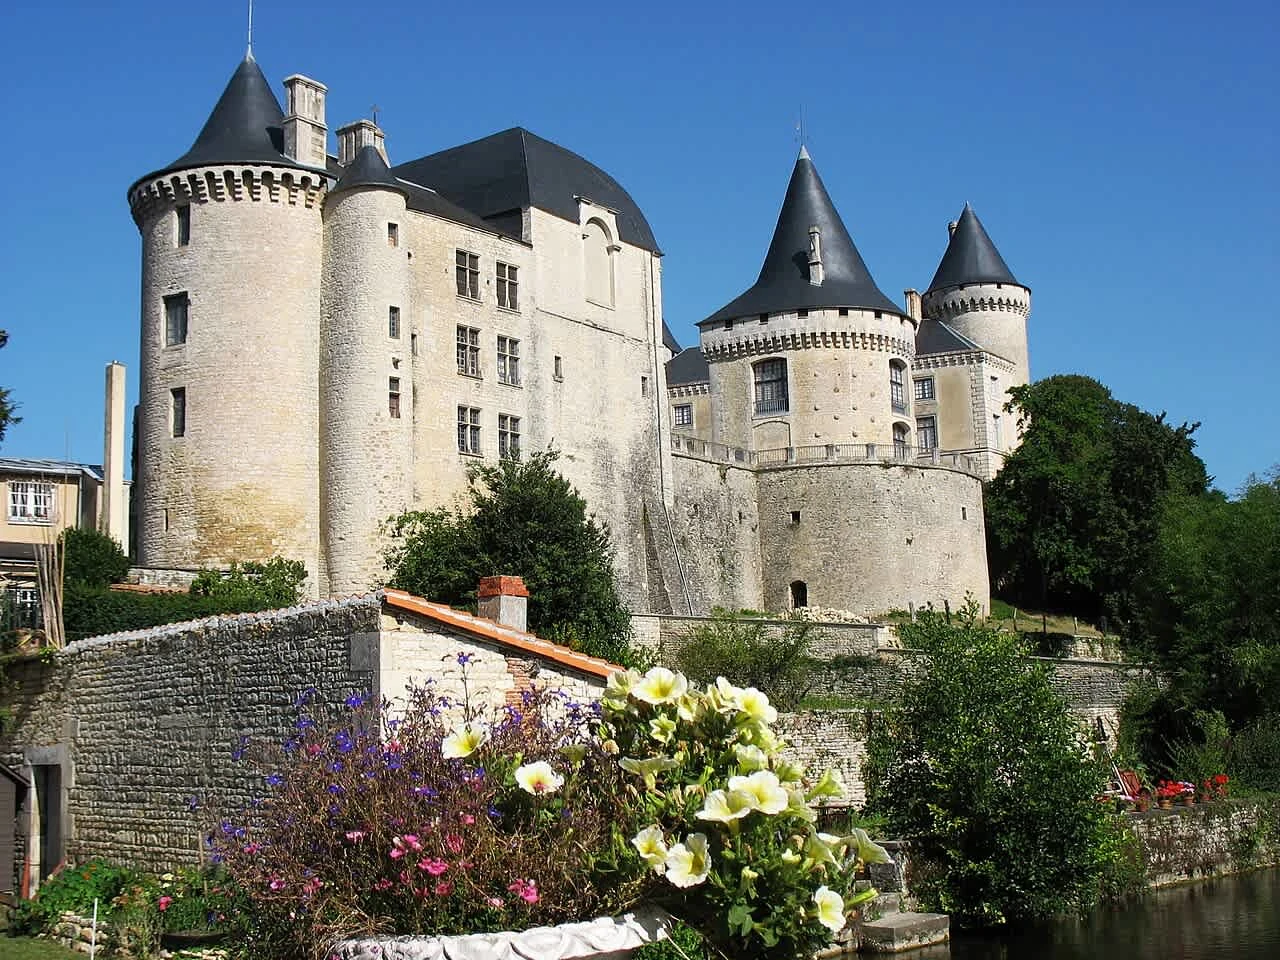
{"type": "Point", "coordinates": [1255, 754]}
{"type": "Point", "coordinates": [982, 768]}
{"type": "Point", "coordinates": [750, 653]}
{"type": "Point", "coordinates": [72, 889]}
{"type": "Point", "coordinates": [92, 559]}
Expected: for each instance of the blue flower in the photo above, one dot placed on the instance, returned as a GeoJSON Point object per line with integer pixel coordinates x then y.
{"type": "Point", "coordinates": [356, 700]}
{"type": "Point", "coordinates": [464, 659]}
{"type": "Point", "coordinates": [335, 788]}
{"type": "Point", "coordinates": [239, 748]}
{"type": "Point", "coordinates": [304, 723]}
{"type": "Point", "coordinates": [304, 697]}
{"type": "Point", "coordinates": [274, 780]}
{"type": "Point", "coordinates": [335, 767]}
{"type": "Point", "coordinates": [193, 802]}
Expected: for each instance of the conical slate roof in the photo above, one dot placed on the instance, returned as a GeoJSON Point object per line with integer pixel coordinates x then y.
{"type": "Point", "coordinates": [971, 257]}
{"type": "Point", "coordinates": [246, 125]}
{"type": "Point", "coordinates": [368, 169]}
{"type": "Point", "coordinates": [783, 283]}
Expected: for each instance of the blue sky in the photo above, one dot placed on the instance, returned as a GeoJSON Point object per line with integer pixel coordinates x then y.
{"type": "Point", "coordinates": [1122, 156]}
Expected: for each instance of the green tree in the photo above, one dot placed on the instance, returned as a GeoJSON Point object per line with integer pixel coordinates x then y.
{"type": "Point", "coordinates": [8, 408]}
{"type": "Point", "coordinates": [1072, 515]}
{"type": "Point", "coordinates": [92, 559]}
{"type": "Point", "coordinates": [981, 766]}
{"type": "Point", "coordinates": [522, 519]}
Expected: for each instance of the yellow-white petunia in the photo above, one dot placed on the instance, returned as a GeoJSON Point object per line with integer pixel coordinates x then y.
{"type": "Point", "coordinates": [828, 785]}
{"type": "Point", "coordinates": [756, 705]}
{"type": "Point", "coordinates": [817, 852]}
{"type": "Point", "coordinates": [830, 908]}
{"type": "Point", "coordinates": [789, 772]}
{"type": "Point", "coordinates": [723, 696]}
{"type": "Point", "coordinates": [689, 863]}
{"type": "Point", "coordinates": [662, 729]}
{"type": "Point", "coordinates": [750, 758]}
{"type": "Point", "coordinates": [573, 752]}
{"type": "Point", "coordinates": [660, 685]}
{"type": "Point", "coordinates": [538, 778]}
{"type": "Point", "coordinates": [464, 741]}
{"type": "Point", "coordinates": [652, 846]}
{"type": "Point", "coordinates": [723, 806]}
{"type": "Point", "coordinates": [797, 807]}
{"type": "Point", "coordinates": [767, 794]}
{"type": "Point", "coordinates": [691, 707]}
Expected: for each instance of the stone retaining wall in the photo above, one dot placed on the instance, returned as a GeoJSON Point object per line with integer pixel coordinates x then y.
{"type": "Point", "coordinates": [1207, 840]}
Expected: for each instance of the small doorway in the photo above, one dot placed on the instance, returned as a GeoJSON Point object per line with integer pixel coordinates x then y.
{"type": "Point", "coordinates": [799, 594]}
{"type": "Point", "coordinates": [47, 780]}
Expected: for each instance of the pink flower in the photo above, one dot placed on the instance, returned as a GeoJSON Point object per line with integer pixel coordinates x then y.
{"type": "Point", "coordinates": [383, 884]}
{"type": "Point", "coordinates": [394, 746]}
{"type": "Point", "coordinates": [495, 902]}
{"type": "Point", "coordinates": [401, 845]}
{"type": "Point", "coordinates": [355, 836]}
{"type": "Point", "coordinates": [453, 843]}
{"type": "Point", "coordinates": [276, 883]}
{"type": "Point", "coordinates": [313, 749]}
{"type": "Point", "coordinates": [468, 819]}
{"type": "Point", "coordinates": [433, 866]}
{"type": "Point", "coordinates": [444, 888]}
{"type": "Point", "coordinates": [526, 890]}
{"type": "Point", "coordinates": [252, 848]}
{"type": "Point", "coordinates": [412, 840]}
{"type": "Point", "coordinates": [312, 885]}
{"type": "Point", "coordinates": [163, 902]}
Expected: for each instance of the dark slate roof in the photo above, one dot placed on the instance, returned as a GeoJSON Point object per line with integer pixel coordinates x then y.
{"type": "Point", "coordinates": [49, 468]}
{"type": "Point", "coordinates": [246, 125]}
{"type": "Point", "coordinates": [428, 201]}
{"type": "Point", "coordinates": [368, 169]}
{"type": "Point", "coordinates": [688, 366]}
{"type": "Point", "coordinates": [935, 336]}
{"type": "Point", "coordinates": [669, 339]}
{"type": "Point", "coordinates": [516, 169]}
{"type": "Point", "coordinates": [971, 257]}
{"type": "Point", "coordinates": [783, 283]}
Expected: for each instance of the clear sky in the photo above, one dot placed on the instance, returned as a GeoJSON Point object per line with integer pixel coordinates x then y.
{"type": "Point", "coordinates": [1123, 157]}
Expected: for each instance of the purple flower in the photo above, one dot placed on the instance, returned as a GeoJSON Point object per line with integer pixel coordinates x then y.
{"type": "Point", "coordinates": [425, 792]}
{"type": "Point", "coordinates": [356, 700]}
{"type": "Point", "coordinates": [274, 780]}
{"type": "Point", "coordinates": [193, 802]}
{"type": "Point", "coordinates": [335, 767]}
{"type": "Point", "coordinates": [335, 788]}
{"type": "Point", "coordinates": [304, 723]}
{"type": "Point", "coordinates": [464, 659]}
{"type": "Point", "coordinates": [238, 749]}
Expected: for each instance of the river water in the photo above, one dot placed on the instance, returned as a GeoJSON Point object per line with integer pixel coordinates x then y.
{"type": "Point", "coordinates": [1234, 918]}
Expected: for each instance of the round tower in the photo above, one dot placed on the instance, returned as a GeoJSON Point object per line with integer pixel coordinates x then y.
{"type": "Point", "coordinates": [366, 375]}
{"type": "Point", "coordinates": [975, 293]}
{"type": "Point", "coordinates": [813, 354]}
{"type": "Point", "coordinates": [228, 462]}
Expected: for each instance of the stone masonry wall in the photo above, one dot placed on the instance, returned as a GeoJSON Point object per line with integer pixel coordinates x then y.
{"type": "Point", "coordinates": [836, 739]}
{"type": "Point", "coordinates": [716, 521]}
{"type": "Point", "coordinates": [1207, 840]}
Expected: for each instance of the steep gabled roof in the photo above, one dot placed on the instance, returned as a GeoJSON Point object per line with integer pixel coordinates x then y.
{"type": "Point", "coordinates": [669, 339]}
{"type": "Point", "coordinates": [971, 257]}
{"type": "Point", "coordinates": [783, 283]}
{"type": "Point", "coordinates": [516, 169]}
{"type": "Point", "coordinates": [688, 366]}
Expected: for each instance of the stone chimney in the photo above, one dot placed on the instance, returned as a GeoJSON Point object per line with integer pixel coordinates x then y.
{"type": "Point", "coordinates": [305, 133]}
{"type": "Point", "coordinates": [914, 309]}
{"type": "Point", "coordinates": [114, 519]}
{"type": "Point", "coordinates": [362, 133]}
{"type": "Point", "coordinates": [504, 600]}
{"type": "Point", "coordinates": [815, 255]}
{"type": "Point", "coordinates": [951, 228]}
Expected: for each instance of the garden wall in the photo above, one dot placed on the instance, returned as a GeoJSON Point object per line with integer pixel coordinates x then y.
{"type": "Point", "coordinates": [1208, 839]}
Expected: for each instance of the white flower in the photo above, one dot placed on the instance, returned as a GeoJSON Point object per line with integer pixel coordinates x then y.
{"type": "Point", "coordinates": [464, 741]}
{"type": "Point", "coordinates": [538, 778]}
{"type": "Point", "coordinates": [723, 696]}
{"type": "Point", "coordinates": [830, 908]}
{"type": "Point", "coordinates": [756, 705]}
{"type": "Point", "coordinates": [652, 847]}
{"type": "Point", "coordinates": [828, 785]}
{"type": "Point", "coordinates": [689, 863]}
{"type": "Point", "coordinates": [750, 758]}
{"type": "Point", "coordinates": [767, 794]}
{"type": "Point", "coordinates": [662, 729]}
{"type": "Point", "coordinates": [722, 806]}
{"type": "Point", "coordinates": [817, 851]}
{"type": "Point", "coordinates": [789, 772]}
{"type": "Point", "coordinates": [660, 685]}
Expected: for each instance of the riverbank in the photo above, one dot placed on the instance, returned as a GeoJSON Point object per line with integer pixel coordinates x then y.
{"type": "Point", "coordinates": [1207, 840]}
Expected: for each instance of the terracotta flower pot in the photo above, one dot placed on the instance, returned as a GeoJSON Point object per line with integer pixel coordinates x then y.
{"type": "Point", "coordinates": [1188, 801]}
{"type": "Point", "coordinates": [1166, 804]}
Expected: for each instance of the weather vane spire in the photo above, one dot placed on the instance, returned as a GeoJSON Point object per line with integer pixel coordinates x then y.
{"type": "Point", "coordinates": [802, 133]}
{"type": "Point", "coordinates": [249, 52]}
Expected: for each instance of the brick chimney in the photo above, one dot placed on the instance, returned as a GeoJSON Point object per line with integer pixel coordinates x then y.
{"type": "Point", "coordinates": [504, 600]}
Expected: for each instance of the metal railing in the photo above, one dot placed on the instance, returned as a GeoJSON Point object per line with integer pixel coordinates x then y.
{"type": "Point", "coordinates": [823, 453]}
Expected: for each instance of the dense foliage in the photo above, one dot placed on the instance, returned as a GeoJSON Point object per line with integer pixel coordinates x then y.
{"type": "Point", "coordinates": [751, 653]}
{"type": "Point", "coordinates": [522, 519]}
{"type": "Point", "coordinates": [1072, 515]}
{"type": "Point", "coordinates": [72, 889]}
{"type": "Point", "coordinates": [90, 611]}
{"type": "Point", "coordinates": [464, 820]}
{"type": "Point", "coordinates": [981, 766]}
{"type": "Point", "coordinates": [8, 408]}
{"type": "Point", "coordinates": [92, 558]}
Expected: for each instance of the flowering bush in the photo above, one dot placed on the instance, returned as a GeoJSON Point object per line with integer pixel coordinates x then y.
{"type": "Point", "coordinates": [725, 824]}
{"type": "Point", "coordinates": [1215, 787]}
{"type": "Point", "coordinates": [448, 820]}
{"type": "Point", "coordinates": [1174, 789]}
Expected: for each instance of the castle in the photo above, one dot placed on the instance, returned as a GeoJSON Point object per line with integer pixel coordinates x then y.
{"type": "Point", "coordinates": [329, 340]}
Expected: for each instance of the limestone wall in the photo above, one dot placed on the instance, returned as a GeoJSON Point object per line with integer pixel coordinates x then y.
{"type": "Point", "coordinates": [1207, 840]}
{"type": "Point", "coordinates": [717, 524]}
{"type": "Point", "coordinates": [872, 537]}
{"type": "Point", "coordinates": [993, 315]}
{"type": "Point", "coordinates": [835, 739]}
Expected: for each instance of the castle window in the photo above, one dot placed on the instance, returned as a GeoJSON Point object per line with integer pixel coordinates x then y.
{"type": "Point", "coordinates": [923, 388]}
{"type": "Point", "coordinates": [801, 314]}
{"type": "Point", "coordinates": [178, 412]}
{"type": "Point", "coordinates": [843, 311]}
{"type": "Point", "coordinates": [508, 436]}
{"type": "Point", "coordinates": [182, 222]}
{"type": "Point", "coordinates": [176, 312]}
{"type": "Point", "coordinates": [30, 502]}
{"type": "Point", "coordinates": [683, 415]}
{"type": "Point", "coordinates": [799, 594]}
{"type": "Point", "coordinates": [927, 432]}
{"type": "Point", "coordinates": [393, 323]}
{"type": "Point", "coordinates": [508, 287]}
{"type": "Point", "coordinates": [413, 344]}
{"type": "Point", "coordinates": [558, 369]}
{"type": "Point", "coordinates": [509, 361]}
{"type": "Point", "coordinates": [393, 397]}
{"type": "Point", "coordinates": [469, 430]}
{"type": "Point", "coordinates": [598, 249]}
{"type": "Point", "coordinates": [795, 518]}
{"type": "Point", "coordinates": [728, 324]}
{"type": "Point", "coordinates": [393, 234]}
{"type": "Point", "coordinates": [897, 395]}
{"type": "Point", "coordinates": [467, 269]}
{"type": "Point", "coordinates": [995, 427]}
{"type": "Point", "coordinates": [644, 386]}
{"type": "Point", "coordinates": [764, 318]}
{"type": "Point", "coordinates": [901, 441]}
{"type": "Point", "coordinates": [469, 351]}
{"type": "Point", "coordinates": [771, 386]}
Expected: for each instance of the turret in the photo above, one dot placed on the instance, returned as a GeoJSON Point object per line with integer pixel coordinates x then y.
{"type": "Point", "coordinates": [366, 364]}
{"type": "Point", "coordinates": [813, 352]}
{"type": "Point", "coordinates": [228, 461]}
{"type": "Point", "coordinates": [975, 293]}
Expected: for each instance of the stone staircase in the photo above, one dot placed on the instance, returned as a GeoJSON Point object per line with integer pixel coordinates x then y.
{"type": "Point", "coordinates": [886, 927]}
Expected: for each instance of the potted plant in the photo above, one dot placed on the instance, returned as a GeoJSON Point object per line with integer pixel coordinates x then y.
{"type": "Point", "coordinates": [196, 908]}
{"type": "Point", "coordinates": [522, 822]}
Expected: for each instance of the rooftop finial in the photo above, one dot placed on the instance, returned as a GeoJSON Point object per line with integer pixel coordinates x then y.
{"type": "Point", "coordinates": [802, 134]}
{"type": "Point", "coordinates": [249, 52]}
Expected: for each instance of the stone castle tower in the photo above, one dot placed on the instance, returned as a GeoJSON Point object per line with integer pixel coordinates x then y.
{"type": "Point", "coordinates": [330, 339]}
